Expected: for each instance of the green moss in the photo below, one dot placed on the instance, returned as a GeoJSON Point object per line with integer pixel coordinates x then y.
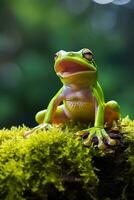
{"type": "Point", "coordinates": [128, 131]}
{"type": "Point", "coordinates": [30, 167]}
{"type": "Point", "coordinates": [54, 164]}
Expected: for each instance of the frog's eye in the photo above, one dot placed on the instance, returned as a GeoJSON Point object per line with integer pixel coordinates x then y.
{"type": "Point", "coordinates": [87, 54]}
{"type": "Point", "coordinates": [56, 55]}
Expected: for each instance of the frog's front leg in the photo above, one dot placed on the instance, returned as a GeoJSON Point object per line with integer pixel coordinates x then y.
{"type": "Point", "coordinates": [98, 129]}
{"type": "Point", "coordinates": [46, 118]}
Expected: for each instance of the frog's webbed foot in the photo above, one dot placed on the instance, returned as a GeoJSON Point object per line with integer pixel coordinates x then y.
{"type": "Point", "coordinates": [37, 128]}
{"type": "Point", "coordinates": [98, 133]}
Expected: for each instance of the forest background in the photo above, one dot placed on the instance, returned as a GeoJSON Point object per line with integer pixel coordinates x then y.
{"type": "Point", "coordinates": [32, 31]}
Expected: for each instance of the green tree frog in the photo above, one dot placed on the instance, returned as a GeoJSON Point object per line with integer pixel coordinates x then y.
{"type": "Point", "coordinates": [80, 99]}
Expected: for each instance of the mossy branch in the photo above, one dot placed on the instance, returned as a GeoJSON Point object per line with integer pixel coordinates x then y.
{"type": "Point", "coordinates": [54, 164]}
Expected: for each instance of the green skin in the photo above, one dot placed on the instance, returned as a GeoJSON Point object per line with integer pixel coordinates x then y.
{"type": "Point", "coordinates": [82, 98]}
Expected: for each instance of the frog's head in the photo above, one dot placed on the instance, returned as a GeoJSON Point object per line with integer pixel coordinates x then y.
{"type": "Point", "coordinates": [72, 66]}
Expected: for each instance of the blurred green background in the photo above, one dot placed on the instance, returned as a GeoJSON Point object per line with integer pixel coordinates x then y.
{"type": "Point", "coordinates": [31, 31]}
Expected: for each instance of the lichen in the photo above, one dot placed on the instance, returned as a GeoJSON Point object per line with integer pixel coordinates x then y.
{"type": "Point", "coordinates": [54, 164]}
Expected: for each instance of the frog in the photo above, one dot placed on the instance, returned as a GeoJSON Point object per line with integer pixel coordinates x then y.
{"type": "Point", "coordinates": [80, 99]}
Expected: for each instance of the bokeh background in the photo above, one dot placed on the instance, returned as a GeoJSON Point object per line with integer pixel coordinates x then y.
{"type": "Point", "coordinates": [31, 31]}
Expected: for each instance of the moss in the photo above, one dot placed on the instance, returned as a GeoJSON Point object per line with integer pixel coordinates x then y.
{"type": "Point", "coordinates": [128, 132]}
{"type": "Point", "coordinates": [55, 165]}
{"type": "Point", "coordinates": [30, 167]}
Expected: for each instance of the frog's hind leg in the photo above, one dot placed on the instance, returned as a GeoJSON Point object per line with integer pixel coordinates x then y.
{"type": "Point", "coordinates": [58, 118]}
{"type": "Point", "coordinates": [112, 114]}
{"type": "Point", "coordinates": [40, 116]}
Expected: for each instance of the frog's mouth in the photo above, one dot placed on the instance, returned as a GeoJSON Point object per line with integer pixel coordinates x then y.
{"type": "Point", "coordinates": [66, 68]}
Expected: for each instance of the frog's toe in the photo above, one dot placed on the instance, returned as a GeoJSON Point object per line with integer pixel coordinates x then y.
{"type": "Point", "coordinates": [101, 144]}
{"type": "Point", "coordinates": [87, 142]}
{"type": "Point", "coordinates": [108, 139]}
{"type": "Point", "coordinates": [37, 128]}
{"type": "Point", "coordinates": [82, 133]}
{"type": "Point", "coordinates": [27, 133]}
{"type": "Point", "coordinates": [89, 139]}
{"type": "Point", "coordinates": [111, 142]}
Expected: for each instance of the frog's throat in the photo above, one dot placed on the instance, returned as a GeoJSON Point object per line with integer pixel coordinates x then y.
{"type": "Point", "coordinates": [81, 79]}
